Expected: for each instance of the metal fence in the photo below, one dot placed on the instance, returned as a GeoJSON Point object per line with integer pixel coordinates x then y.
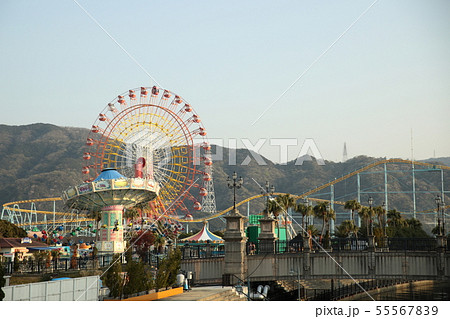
{"type": "Point", "coordinates": [356, 288]}
{"type": "Point", "coordinates": [69, 264]}
{"type": "Point", "coordinates": [345, 244]}
{"type": "Point", "coordinates": [194, 251]}
{"type": "Point", "coordinates": [412, 244]}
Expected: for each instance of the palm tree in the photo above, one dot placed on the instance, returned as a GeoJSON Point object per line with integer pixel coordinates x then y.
{"type": "Point", "coordinates": [131, 213]}
{"type": "Point", "coordinates": [275, 209]}
{"type": "Point", "coordinates": [380, 212]}
{"type": "Point", "coordinates": [367, 213]}
{"type": "Point", "coordinates": [395, 219]}
{"type": "Point", "coordinates": [305, 210]}
{"type": "Point", "coordinates": [331, 215]}
{"type": "Point", "coordinates": [285, 202]}
{"type": "Point", "coordinates": [320, 210]}
{"type": "Point", "coordinates": [346, 228]}
{"type": "Point", "coordinates": [354, 206]}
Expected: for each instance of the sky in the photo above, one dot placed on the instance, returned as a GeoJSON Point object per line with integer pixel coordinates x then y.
{"type": "Point", "coordinates": [373, 85]}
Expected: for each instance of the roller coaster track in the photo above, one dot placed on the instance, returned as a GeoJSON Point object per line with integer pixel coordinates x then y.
{"type": "Point", "coordinates": [337, 180]}
{"type": "Point", "coordinates": [218, 214]}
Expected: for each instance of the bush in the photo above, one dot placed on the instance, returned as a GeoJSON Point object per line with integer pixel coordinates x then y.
{"type": "Point", "coordinates": [2, 281]}
{"type": "Point", "coordinates": [168, 270]}
{"type": "Point", "coordinates": [113, 278]}
{"type": "Point", "coordinates": [139, 278]}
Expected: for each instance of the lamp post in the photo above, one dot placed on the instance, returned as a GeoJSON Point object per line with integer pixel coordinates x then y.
{"type": "Point", "coordinates": [268, 191]}
{"type": "Point", "coordinates": [233, 184]}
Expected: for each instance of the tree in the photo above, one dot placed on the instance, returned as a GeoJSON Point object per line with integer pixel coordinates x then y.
{"type": "Point", "coordinates": [168, 270]}
{"type": "Point", "coordinates": [275, 209]}
{"type": "Point", "coordinates": [285, 202]}
{"type": "Point", "coordinates": [305, 210]}
{"type": "Point", "coordinates": [142, 242]}
{"type": "Point", "coordinates": [354, 206]}
{"type": "Point", "coordinates": [380, 212]}
{"type": "Point", "coordinates": [395, 219]}
{"type": "Point", "coordinates": [331, 215]}
{"type": "Point", "coordinates": [55, 256]}
{"type": "Point", "coordinates": [114, 279]}
{"type": "Point", "coordinates": [2, 281]}
{"type": "Point", "coordinates": [139, 278]}
{"type": "Point", "coordinates": [321, 211]}
{"type": "Point", "coordinates": [9, 230]}
{"type": "Point", "coordinates": [132, 213]}
{"type": "Point", "coordinates": [366, 214]}
{"type": "Point", "coordinates": [346, 228]}
{"type": "Point", "coordinates": [16, 262]}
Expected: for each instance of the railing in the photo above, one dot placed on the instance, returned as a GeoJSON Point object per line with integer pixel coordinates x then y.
{"type": "Point", "coordinates": [69, 264]}
{"type": "Point", "coordinates": [345, 244]}
{"type": "Point", "coordinates": [412, 244]}
{"type": "Point", "coordinates": [353, 289]}
{"type": "Point", "coordinates": [278, 247]}
{"type": "Point", "coordinates": [195, 251]}
{"type": "Point", "coordinates": [349, 244]}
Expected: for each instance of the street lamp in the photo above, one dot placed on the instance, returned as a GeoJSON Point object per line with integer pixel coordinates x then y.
{"type": "Point", "coordinates": [370, 201]}
{"type": "Point", "coordinates": [233, 184]}
{"type": "Point", "coordinates": [269, 190]}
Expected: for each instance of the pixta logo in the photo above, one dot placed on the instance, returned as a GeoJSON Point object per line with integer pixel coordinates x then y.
{"type": "Point", "coordinates": [307, 151]}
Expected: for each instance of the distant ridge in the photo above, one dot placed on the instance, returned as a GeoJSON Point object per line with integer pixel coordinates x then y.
{"type": "Point", "coordinates": [41, 160]}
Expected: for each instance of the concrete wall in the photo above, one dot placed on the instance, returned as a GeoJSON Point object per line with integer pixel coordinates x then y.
{"type": "Point", "coordinates": [82, 289]}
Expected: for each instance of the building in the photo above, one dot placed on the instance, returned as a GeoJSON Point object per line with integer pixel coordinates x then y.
{"type": "Point", "coordinates": [23, 247]}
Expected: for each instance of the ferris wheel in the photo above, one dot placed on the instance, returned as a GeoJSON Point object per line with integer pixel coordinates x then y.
{"type": "Point", "coordinates": [153, 133]}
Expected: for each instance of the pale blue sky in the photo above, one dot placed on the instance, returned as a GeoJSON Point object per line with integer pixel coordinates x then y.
{"type": "Point", "coordinates": [389, 74]}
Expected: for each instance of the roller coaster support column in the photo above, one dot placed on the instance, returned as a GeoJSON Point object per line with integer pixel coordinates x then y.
{"type": "Point", "coordinates": [358, 179]}
{"type": "Point", "coordinates": [414, 191]}
{"type": "Point", "coordinates": [235, 240]}
{"type": "Point", "coordinates": [385, 188]}
{"type": "Point", "coordinates": [332, 207]}
{"type": "Point", "coordinates": [442, 190]}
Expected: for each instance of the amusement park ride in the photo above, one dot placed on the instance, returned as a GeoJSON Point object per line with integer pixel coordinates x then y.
{"type": "Point", "coordinates": [147, 148]}
{"type": "Point", "coordinates": [148, 151]}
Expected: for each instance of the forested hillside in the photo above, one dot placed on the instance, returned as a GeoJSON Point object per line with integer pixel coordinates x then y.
{"type": "Point", "coordinates": [42, 160]}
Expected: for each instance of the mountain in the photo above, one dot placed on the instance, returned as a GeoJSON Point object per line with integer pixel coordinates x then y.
{"type": "Point", "coordinates": [42, 160]}
{"type": "Point", "coordinates": [39, 160]}
{"type": "Point", "coordinates": [441, 160]}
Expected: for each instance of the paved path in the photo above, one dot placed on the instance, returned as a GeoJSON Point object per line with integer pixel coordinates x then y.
{"type": "Point", "coordinates": [200, 293]}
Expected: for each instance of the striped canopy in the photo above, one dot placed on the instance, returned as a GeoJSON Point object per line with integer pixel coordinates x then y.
{"type": "Point", "coordinates": [203, 236]}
